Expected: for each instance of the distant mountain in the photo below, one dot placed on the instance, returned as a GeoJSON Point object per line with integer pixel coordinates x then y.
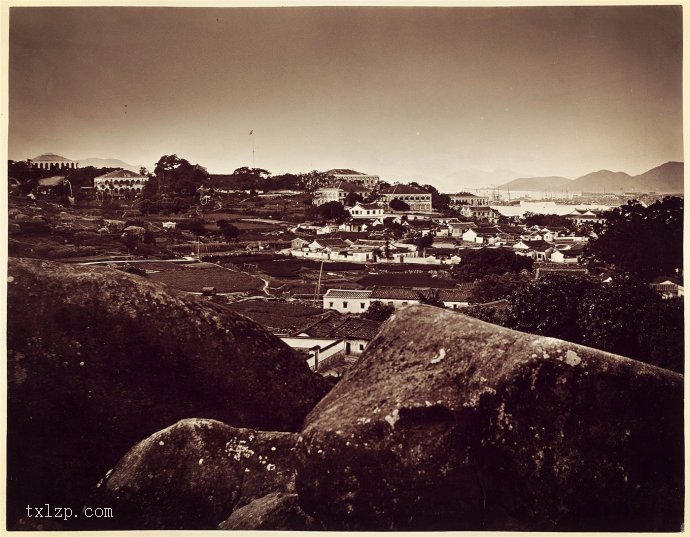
{"type": "Point", "coordinates": [537, 184]}
{"type": "Point", "coordinates": [602, 181]}
{"type": "Point", "coordinates": [110, 163]}
{"type": "Point", "coordinates": [665, 178]}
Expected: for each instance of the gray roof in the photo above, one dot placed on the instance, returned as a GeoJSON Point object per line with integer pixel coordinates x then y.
{"type": "Point", "coordinates": [347, 293]}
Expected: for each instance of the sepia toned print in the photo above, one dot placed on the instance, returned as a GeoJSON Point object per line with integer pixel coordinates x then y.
{"type": "Point", "coordinates": [345, 268]}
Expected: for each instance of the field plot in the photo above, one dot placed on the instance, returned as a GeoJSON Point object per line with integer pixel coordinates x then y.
{"type": "Point", "coordinates": [405, 280]}
{"type": "Point", "coordinates": [276, 314]}
{"type": "Point", "coordinates": [196, 276]}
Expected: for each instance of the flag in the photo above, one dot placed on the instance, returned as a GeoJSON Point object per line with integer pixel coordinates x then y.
{"type": "Point", "coordinates": [251, 132]}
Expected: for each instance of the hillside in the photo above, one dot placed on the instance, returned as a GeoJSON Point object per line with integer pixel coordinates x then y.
{"type": "Point", "coordinates": [537, 184]}
{"type": "Point", "coordinates": [665, 178]}
{"type": "Point", "coordinates": [602, 181]}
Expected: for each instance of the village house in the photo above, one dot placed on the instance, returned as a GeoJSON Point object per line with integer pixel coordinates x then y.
{"type": "Point", "coordinates": [352, 176]}
{"type": "Point", "coordinates": [366, 210]}
{"type": "Point", "coordinates": [338, 192]}
{"type": "Point", "coordinates": [482, 235]}
{"type": "Point", "coordinates": [416, 198]}
{"type": "Point", "coordinates": [480, 213]}
{"type": "Point", "coordinates": [347, 300]}
{"type": "Point", "coordinates": [397, 297]}
{"type": "Point", "coordinates": [333, 342]}
{"type": "Point", "coordinates": [567, 255]}
{"type": "Point", "coordinates": [466, 198]}
{"type": "Point", "coordinates": [456, 298]}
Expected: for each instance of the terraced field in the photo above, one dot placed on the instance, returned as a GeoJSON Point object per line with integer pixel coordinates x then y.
{"type": "Point", "coordinates": [194, 277]}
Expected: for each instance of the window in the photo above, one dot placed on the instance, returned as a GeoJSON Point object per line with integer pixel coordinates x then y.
{"type": "Point", "coordinates": [404, 303]}
{"type": "Point", "coordinates": [361, 305]}
{"type": "Point", "coordinates": [361, 346]}
{"type": "Point", "coordinates": [330, 304]}
{"type": "Point", "coordinates": [344, 304]}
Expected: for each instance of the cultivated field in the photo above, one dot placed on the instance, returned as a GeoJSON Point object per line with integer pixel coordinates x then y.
{"type": "Point", "coordinates": [194, 277]}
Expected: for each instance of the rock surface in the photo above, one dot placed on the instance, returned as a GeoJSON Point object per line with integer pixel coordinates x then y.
{"type": "Point", "coordinates": [99, 359]}
{"type": "Point", "coordinates": [277, 512]}
{"type": "Point", "coordinates": [481, 427]}
{"type": "Point", "coordinates": [193, 474]}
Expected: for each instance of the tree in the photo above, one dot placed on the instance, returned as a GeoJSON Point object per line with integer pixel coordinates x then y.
{"type": "Point", "coordinates": [352, 199]}
{"type": "Point", "coordinates": [497, 286]}
{"type": "Point", "coordinates": [425, 241]}
{"type": "Point", "coordinates": [479, 263]}
{"type": "Point", "coordinates": [647, 241]}
{"type": "Point", "coordinates": [196, 226]}
{"type": "Point", "coordinates": [548, 220]}
{"type": "Point", "coordinates": [431, 297]}
{"type": "Point", "coordinates": [550, 306]}
{"type": "Point", "coordinates": [398, 205]}
{"type": "Point", "coordinates": [229, 231]}
{"type": "Point", "coordinates": [178, 177]}
{"type": "Point", "coordinates": [378, 311]}
{"type": "Point", "coordinates": [333, 210]}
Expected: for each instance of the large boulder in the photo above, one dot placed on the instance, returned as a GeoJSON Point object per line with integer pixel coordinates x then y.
{"type": "Point", "coordinates": [451, 423]}
{"type": "Point", "coordinates": [99, 359]}
{"type": "Point", "coordinates": [278, 511]}
{"type": "Point", "coordinates": [193, 474]}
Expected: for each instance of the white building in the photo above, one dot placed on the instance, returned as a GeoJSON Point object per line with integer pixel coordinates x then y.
{"type": "Point", "coordinates": [347, 300]}
{"type": "Point", "coordinates": [338, 192]}
{"type": "Point", "coordinates": [465, 198]}
{"type": "Point", "coordinates": [120, 183]}
{"type": "Point", "coordinates": [47, 161]}
{"type": "Point", "coordinates": [341, 174]}
{"type": "Point", "coordinates": [416, 198]}
{"type": "Point", "coordinates": [366, 210]}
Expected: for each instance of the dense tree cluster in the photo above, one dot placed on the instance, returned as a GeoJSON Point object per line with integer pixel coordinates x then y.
{"type": "Point", "coordinates": [175, 176]}
{"type": "Point", "coordinates": [548, 220]}
{"type": "Point", "coordinates": [624, 317]}
{"type": "Point", "coordinates": [332, 210]}
{"type": "Point", "coordinates": [378, 311]}
{"type": "Point", "coordinates": [479, 263]}
{"type": "Point", "coordinates": [497, 286]}
{"type": "Point", "coordinates": [646, 241]}
{"type": "Point", "coordinates": [398, 205]}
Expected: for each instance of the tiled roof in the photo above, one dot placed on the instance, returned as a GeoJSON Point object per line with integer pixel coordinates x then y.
{"type": "Point", "coordinates": [402, 189]}
{"type": "Point", "coordinates": [461, 294]}
{"type": "Point", "coordinates": [538, 245]}
{"type": "Point", "coordinates": [370, 206]}
{"type": "Point", "coordinates": [50, 157]}
{"type": "Point", "coordinates": [332, 243]}
{"type": "Point", "coordinates": [394, 293]}
{"type": "Point", "coordinates": [347, 186]}
{"type": "Point", "coordinates": [464, 195]}
{"type": "Point", "coordinates": [347, 293]}
{"type": "Point", "coordinates": [122, 174]}
{"type": "Point", "coordinates": [563, 271]}
{"type": "Point", "coordinates": [343, 171]}
{"type": "Point", "coordinates": [337, 326]}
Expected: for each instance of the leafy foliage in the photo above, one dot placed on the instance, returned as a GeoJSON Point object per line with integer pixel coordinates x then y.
{"type": "Point", "coordinates": [431, 297]}
{"type": "Point", "coordinates": [176, 176]}
{"type": "Point", "coordinates": [479, 263]}
{"type": "Point", "coordinates": [647, 241]}
{"type": "Point", "coordinates": [378, 311]}
{"type": "Point", "coordinates": [548, 220]}
{"type": "Point", "coordinates": [398, 205]}
{"type": "Point", "coordinates": [333, 210]}
{"type": "Point", "coordinates": [229, 231]}
{"type": "Point", "coordinates": [624, 317]}
{"type": "Point", "coordinates": [497, 286]}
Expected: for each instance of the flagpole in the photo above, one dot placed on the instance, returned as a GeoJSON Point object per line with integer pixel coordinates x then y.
{"type": "Point", "coordinates": [253, 153]}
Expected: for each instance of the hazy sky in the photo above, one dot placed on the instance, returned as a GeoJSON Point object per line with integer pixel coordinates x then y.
{"type": "Point", "coordinates": [397, 91]}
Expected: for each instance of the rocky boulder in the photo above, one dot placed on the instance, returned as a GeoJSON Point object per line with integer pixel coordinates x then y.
{"type": "Point", "coordinates": [450, 423]}
{"type": "Point", "coordinates": [193, 474]}
{"type": "Point", "coordinates": [99, 359]}
{"type": "Point", "coordinates": [277, 511]}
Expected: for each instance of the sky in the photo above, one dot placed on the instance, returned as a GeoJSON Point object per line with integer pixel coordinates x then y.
{"type": "Point", "coordinates": [433, 93]}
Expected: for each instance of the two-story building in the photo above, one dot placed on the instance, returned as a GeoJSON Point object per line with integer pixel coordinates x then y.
{"type": "Point", "coordinates": [416, 198]}
{"type": "Point", "coordinates": [338, 192]}
{"type": "Point", "coordinates": [120, 183]}
{"type": "Point", "coordinates": [366, 210]}
{"type": "Point", "coordinates": [466, 198]}
{"type": "Point", "coordinates": [352, 176]}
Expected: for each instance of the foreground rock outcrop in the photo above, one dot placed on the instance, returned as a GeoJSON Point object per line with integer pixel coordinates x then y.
{"type": "Point", "coordinates": [450, 423]}
{"type": "Point", "coordinates": [99, 359]}
{"type": "Point", "coordinates": [193, 474]}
